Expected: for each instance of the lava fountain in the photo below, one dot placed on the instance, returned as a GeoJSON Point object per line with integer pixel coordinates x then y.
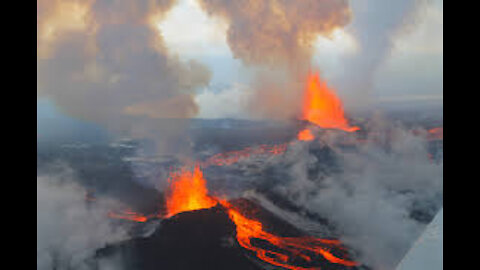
{"type": "Point", "coordinates": [187, 192]}
{"type": "Point", "coordinates": [322, 107]}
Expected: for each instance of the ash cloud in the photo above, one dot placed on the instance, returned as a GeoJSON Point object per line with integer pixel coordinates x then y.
{"type": "Point", "coordinates": [106, 62]}
{"type": "Point", "coordinates": [277, 31]}
{"type": "Point", "coordinates": [69, 229]}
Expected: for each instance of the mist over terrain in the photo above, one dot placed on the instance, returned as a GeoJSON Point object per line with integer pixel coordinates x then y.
{"type": "Point", "coordinates": [377, 196]}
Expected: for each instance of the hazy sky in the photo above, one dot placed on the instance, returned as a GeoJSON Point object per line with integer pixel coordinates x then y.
{"type": "Point", "coordinates": [412, 71]}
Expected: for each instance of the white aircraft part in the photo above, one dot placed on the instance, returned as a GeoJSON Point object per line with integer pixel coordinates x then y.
{"type": "Point", "coordinates": [427, 252]}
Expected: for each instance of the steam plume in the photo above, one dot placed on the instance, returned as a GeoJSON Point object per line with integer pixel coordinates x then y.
{"type": "Point", "coordinates": [375, 26]}
{"type": "Point", "coordinates": [68, 229]}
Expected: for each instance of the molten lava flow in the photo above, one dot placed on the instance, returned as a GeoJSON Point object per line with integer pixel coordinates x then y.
{"type": "Point", "coordinates": [187, 192]}
{"type": "Point", "coordinates": [302, 247]}
{"type": "Point", "coordinates": [305, 135]}
{"type": "Point", "coordinates": [128, 215]}
{"type": "Point", "coordinates": [322, 107]}
{"type": "Point", "coordinates": [229, 158]}
{"type": "Point", "coordinates": [435, 133]}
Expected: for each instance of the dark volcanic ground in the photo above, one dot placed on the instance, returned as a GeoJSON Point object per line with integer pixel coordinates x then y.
{"type": "Point", "coordinates": [190, 240]}
{"type": "Point", "coordinates": [205, 239]}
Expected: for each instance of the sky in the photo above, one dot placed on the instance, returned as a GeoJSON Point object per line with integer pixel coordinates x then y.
{"type": "Point", "coordinates": [412, 70]}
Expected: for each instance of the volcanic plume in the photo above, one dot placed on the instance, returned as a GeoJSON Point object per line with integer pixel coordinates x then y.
{"type": "Point", "coordinates": [272, 31]}
{"type": "Point", "coordinates": [106, 62]}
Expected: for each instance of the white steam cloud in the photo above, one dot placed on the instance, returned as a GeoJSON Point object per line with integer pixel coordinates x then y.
{"type": "Point", "coordinates": [69, 230]}
{"type": "Point", "coordinates": [370, 200]}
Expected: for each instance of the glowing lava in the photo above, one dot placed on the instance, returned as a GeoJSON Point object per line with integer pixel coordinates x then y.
{"type": "Point", "coordinates": [322, 107]}
{"type": "Point", "coordinates": [435, 133]}
{"type": "Point", "coordinates": [128, 215]}
{"type": "Point", "coordinates": [302, 247]}
{"type": "Point", "coordinates": [229, 158]}
{"type": "Point", "coordinates": [305, 135]}
{"type": "Point", "coordinates": [187, 192]}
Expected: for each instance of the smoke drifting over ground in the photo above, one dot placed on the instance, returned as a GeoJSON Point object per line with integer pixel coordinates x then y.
{"type": "Point", "coordinates": [69, 230]}
{"type": "Point", "coordinates": [105, 61]}
{"type": "Point", "coordinates": [373, 194]}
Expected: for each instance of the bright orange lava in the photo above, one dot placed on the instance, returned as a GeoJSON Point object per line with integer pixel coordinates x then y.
{"type": "Point", "coordinates": [305, 135]}
{"type": "Point", "coordinates": [248, 229]}
{"type": "Point", "coordinates": [322, 107]}
{"type": "Point", "coordinates": [128, 215]}
{"type": "Point", "coordinates": [229, 158]}
{"type": "Point", "coordinates": [187, 192]}
{"type": "Point", "coordinates": [435, 133]}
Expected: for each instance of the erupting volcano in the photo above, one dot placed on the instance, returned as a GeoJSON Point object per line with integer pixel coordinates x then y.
{"type": "Point", "coordinates": [188, 192]}
{"type": "Point", "coordinates": [322, 107]}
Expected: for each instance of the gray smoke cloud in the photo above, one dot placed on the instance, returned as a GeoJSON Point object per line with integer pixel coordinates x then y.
{"type": "Point", "coordinates": [276, 31]}
{"type": "Point", "coordinates": [370, 200]}
{"type": "Point", "coordinates": [105, 61]}
{"type": "Point", "coordinates": [69, 228]}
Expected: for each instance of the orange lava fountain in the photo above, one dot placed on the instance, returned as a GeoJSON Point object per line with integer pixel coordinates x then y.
{"type": "Point", "coordinates": [187, 192]}
{"type": "Point", "coordinates": [305, 135]}
{"type": "Point", "coordinates": [322, 107]}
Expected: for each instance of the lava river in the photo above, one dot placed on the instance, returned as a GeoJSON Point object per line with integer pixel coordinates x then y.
{"type": "Point", "coordinates": [188, 192]}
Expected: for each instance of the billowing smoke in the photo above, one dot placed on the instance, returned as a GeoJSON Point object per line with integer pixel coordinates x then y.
{"type": "Point", "coordinates": [277, 35]}
{"type": "Point", "coordinates": [69, 229]}
{"type": "Point", "coordinates": [105, 61]}
{"type": "Point", "coordinates": [277, 31]}
{"type": "Point", "coordinates": [378, 196]}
